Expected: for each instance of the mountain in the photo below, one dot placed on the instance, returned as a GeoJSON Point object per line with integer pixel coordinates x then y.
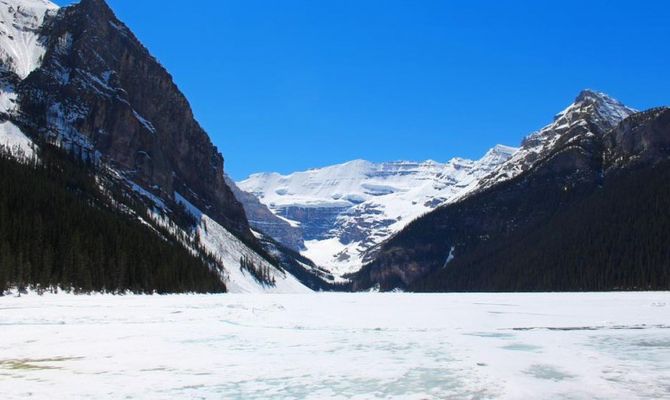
{"type": "Point", "coordinates": [21, 51]}
{"type": "Point", "coordinates": [591, 113]}
{"type": "Point", "coordinates": [58, 230]}
{"type": "Point", "coordinates": [345, 210]}
{"type": "Point", "coordinates": [77, 79]}
{"type": "Point", "coordinates": [263, 220]}
{"type": "Point", "coordinates": [581, 206]}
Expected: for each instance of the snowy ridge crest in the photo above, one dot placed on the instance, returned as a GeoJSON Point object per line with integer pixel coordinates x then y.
{"type": "Point", "coordinates": [590, 110]}
{"type": "Point", "coordinates": [345, 210]}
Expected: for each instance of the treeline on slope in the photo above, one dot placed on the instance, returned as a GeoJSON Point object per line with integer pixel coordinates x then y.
{"type": "Point", "coordinates": [616, 238]}
{"type": "Point", "coordinates": [302, 268]}
{"type": "Point", "coordinates": [261, 273]}
{"type": "Point", "coordinates": [425, 245]}
{"type": "Point", "coordinates": [58, 231]}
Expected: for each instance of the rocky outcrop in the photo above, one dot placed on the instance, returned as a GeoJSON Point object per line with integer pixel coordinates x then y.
{"type": "Point", "coordinates": [100, 94]}
{"type": "Point", "coordinates": [591, 113]}
{"type": "Point", "coordinates": [642, 138]}
{"type": "Point", "coordinates": [263, 220]}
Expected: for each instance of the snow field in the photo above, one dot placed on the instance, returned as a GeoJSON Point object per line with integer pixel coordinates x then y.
{"type": "Point", "coordinates": [337, 346]}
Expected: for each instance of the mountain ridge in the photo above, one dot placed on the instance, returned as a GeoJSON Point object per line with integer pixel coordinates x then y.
{"type": "Point", "coordinates": [346, 209]}
{"type": "Point", "coordinates": [476, 243]}
{"type": "Point", "coordinates": [98, 94]}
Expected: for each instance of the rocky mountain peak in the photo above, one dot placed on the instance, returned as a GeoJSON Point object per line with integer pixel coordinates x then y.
{"type": "Point", "coordinates": [594, 107]}
{"type": "Point", "coordinates": [100, 93]}
{"type": "Point", "coordinates": [98, 11]}
{"type": "Point", "coordinates": [592, 114]}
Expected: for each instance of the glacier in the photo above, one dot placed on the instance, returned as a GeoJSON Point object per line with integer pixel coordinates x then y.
{"type": "Point", "coordinates": [346, 210]}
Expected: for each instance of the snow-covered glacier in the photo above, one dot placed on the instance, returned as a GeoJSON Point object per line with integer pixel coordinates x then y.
{"type": "Point", "coordinates": [345, 210]}
{"type": "Point", "coordinates": [336, 346]}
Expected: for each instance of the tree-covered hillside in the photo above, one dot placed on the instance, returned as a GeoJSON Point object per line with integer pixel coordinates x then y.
{"type": "Point", "coordinates": [57, 230]}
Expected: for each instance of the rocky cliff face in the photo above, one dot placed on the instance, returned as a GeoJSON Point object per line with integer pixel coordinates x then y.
{"type": "Point", "coordinates": [99, 93]}
{"type": "Point", "coordinates": [642, 138]}
{"type": "Point", "coordinates": [77, 79]}
{"type": "Point", "coordinates": [591, 114]}
{"type": "Point", "coordinates": [263, 220]}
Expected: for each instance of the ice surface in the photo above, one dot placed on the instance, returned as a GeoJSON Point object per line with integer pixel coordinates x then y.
{"type": "Point", "coordinates": [337, 346]}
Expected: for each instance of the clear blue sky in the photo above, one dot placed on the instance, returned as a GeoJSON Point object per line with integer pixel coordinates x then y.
{"type": "Point", "coordinates": [293, 84]}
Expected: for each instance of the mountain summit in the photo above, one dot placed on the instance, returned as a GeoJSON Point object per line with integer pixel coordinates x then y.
{"type": "Point", "coordinates": [592, 113]}
{"type": "Point", "coordinates": [344, 211]}
{"type": "Point", "coordinates": [77, 79]}
{"type": "Point", "coordinates": [556, 216]}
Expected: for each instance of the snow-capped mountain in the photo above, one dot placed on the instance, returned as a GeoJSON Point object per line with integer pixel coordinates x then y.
{"type": "Point", "coordinates": [591, 112]}
{"type": "Point", "coordinates": [346, 210]}
{"type": "Point", "coordinates": [21, 52]}
{"type": "Point", "coordinates": [78, 79]}
{"type": "Point", "coordinates": [21, 49]}
{"type": "Point", "coordinates": [490, 240]}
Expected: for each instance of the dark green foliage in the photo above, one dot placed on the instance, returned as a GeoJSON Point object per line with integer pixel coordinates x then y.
{"type": "Point", "coordinates": [58, 231]}
{"type": "Point", "coordinates": [261, 273]}
{"type": "Point", "coordinates": [591, 215]}
{"type": "Point", "coordinates": [615, 238]}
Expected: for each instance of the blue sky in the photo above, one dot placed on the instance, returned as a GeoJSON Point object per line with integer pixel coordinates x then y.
{"type": "Point", "coordinates": [295, 84]}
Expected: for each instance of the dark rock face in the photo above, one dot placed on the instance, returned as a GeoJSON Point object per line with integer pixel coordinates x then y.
{"type": "Point", "coordinates": [521, 234]}
{"type": "Point", "coordinates": [316, 222]}
{"type": "Point", "coordinates": [639, 139]}
{"type": "Point", "coordinates": [262, 219]}
{"type": "Point", "coordinates": [99, 92]}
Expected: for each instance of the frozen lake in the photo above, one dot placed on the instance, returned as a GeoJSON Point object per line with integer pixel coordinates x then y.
{"type": "Point", "coordinates": [340, 346]}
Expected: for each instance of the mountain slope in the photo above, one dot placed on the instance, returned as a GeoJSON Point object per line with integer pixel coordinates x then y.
{"type": "Point", "coordinates": [263, 220]}
{"type": "Point", "coordinates": [58, 230]}
{"type": "Point", "coordinates": [591, 113]}
{"type": "Point", "coordinates": [98, 90]}
{"type": "Point", "coordinates": [21, 51]}
{"type": "Point", "coordinates": [346, 210]}
{"type": "Point", "coordinates": [555, 226]}
{"type": "Point", "coordinates": [97, 93]}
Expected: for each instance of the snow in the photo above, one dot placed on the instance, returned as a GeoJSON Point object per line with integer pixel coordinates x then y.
{"type": "Point", "coordinates": [8, 98]}
{"type": "Point", "coordinates": [598, 107]}
{"type": "Point", "coordinates": [339, 259]}
{"type": "Point", "coordinates": [20, 47]}
{"type": "Point", "coordinates": [15, 140]}
{"type": "Point", "coordinates": [450, 257]}
{"type": "Point", "coordinates": [158, 203]}
{"type": "Point", "coordinates": [145, 122]}
{"type": "Point", "coordinates": [230, 250]}
{"type": "Point", "coordinates": [372, 201]}
{"type": "Point", "coordinates": [337, 346]}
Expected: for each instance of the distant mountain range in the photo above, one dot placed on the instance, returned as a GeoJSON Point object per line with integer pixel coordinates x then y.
{"type": "Point", "coordinates": [344, 211]}
{"type": "Point", "coordinates": [410, 226]}
{"type": "Point", "coordinates": [88, 115]}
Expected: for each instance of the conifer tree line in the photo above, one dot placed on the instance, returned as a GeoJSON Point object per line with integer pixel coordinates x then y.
{"type": "Point", "coordinates": [617, 237]}
{"type": "Point", "coordinates": [261, 273]}
{"type": "Point", "coordinates": [57, 231]}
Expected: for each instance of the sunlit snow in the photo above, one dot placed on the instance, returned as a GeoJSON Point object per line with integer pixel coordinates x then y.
{"type": "Point", "coordinates": [337, 346]}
